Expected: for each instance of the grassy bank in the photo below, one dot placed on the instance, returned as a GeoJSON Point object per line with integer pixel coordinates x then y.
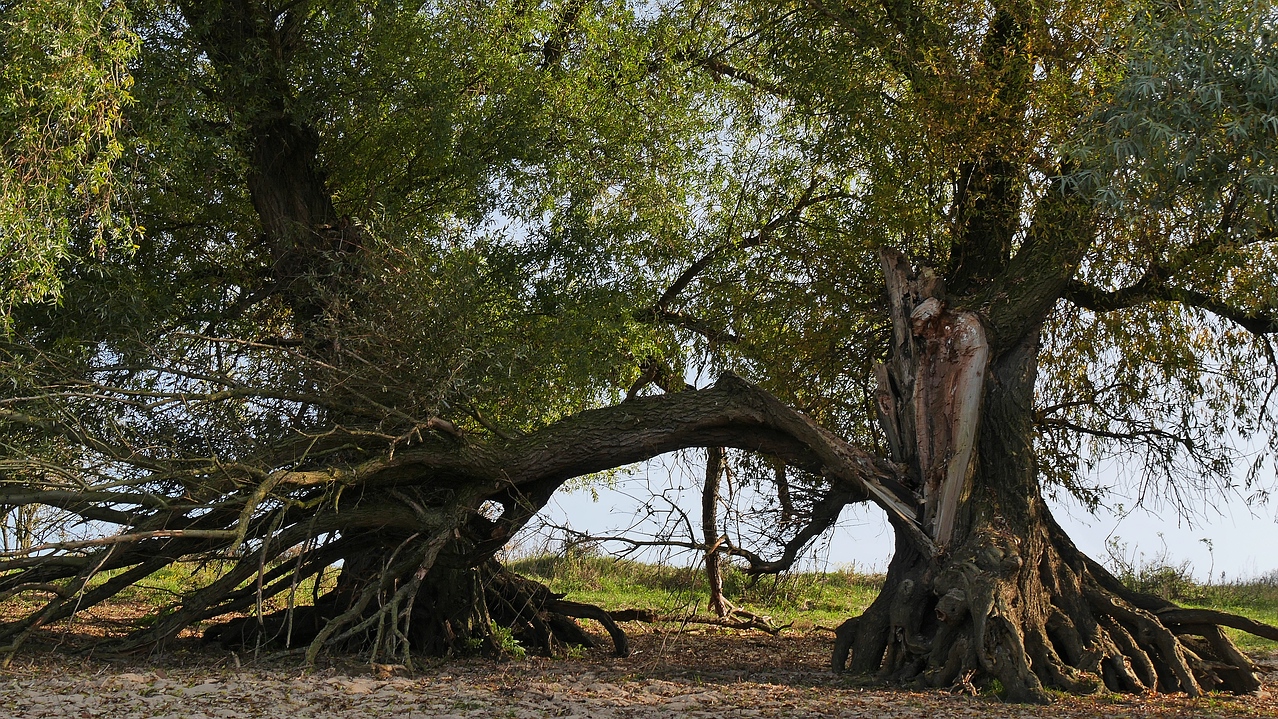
{"type": "Point", "coordinates": [830, 597]}
{"type": "Point", "coordinates": [1255, 598]}
{"type": "Point", "coordinates": [804, 599]}
{"type": "Point", "coordinates": [825, 598]}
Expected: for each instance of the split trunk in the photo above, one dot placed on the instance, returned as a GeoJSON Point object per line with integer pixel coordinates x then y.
{"type": "Point", "coordinates": [1000, 596]}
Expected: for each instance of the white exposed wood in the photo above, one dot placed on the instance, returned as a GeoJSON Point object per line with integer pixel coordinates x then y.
{"type": "Point", "coordinates": [971, 353]}
{"type": "Point", "coordinates": [947, 403]}
{"type": "Point", "coordinates": [928, 394]}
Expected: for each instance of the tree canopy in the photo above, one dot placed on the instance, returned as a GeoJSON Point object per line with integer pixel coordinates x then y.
{"type": "Point", "coordinates": [330, 276]}
{"type": "Point", "coordinates": [63, 88]}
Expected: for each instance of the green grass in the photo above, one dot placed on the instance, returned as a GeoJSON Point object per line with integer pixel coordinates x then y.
{"type": "Point", "coordinates": [805, 599]}
{"type": "Point", "coordinates": [180, 579]}
{"type": "Point", "coordinates": [1254, 598]}
{"type": "Point", "coordinates": [821, 598]}
{"type": "Point", "coordinates": [173, 582]}
{"type": "Point", "coordinates": [829, 598]}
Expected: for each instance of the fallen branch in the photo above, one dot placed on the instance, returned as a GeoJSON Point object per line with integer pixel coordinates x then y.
{"type": "Point", "coordinates": [124, 539]}
{"type": "Point", "coordinates": [748, 620]}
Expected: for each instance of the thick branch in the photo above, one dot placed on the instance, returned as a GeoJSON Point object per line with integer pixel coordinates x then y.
{"type": "Point", "coordinates": [1018, 300]}
{"type": "Point", "coordinates": [695, 324]}
{"type": "Point", "coordinates": [733, 413]}
{"type": "Point", "coordinates": [710, 528]}
{"type": "Point", "coordinates": [806, 200]}
{"type": "Point", "coordinates": [1149, 290]}
{"type": "Point", "coordinates": [716, 66]}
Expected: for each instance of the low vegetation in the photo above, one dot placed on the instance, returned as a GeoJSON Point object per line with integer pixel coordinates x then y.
{"type": "Point", "coordinates": [807, 599]}
{"type": "Point", "coordinates": [799, 600]}
{"type": "Point", "coordinates": [1255, 598]}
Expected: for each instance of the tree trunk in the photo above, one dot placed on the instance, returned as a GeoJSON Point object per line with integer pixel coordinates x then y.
{"type": "Point", "coordinates": [434, 594]}
{"type": "Point", "coordinates": [710, 531]}
{"type": "Point", "coordinates": [406, 526]}
{"type": "Point", "coordinates": [1003, 599]}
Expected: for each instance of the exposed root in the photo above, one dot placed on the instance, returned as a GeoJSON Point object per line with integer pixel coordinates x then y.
{"type": "Point", "coordinates": [458, 614]}
{"type": "Point", "coordinates": [544, 618]}
{"type": "Point", "coordinates": [737, 619]}
{"type": "Point", "coordinates": [985, 616]}
{"type": "Point", "coordinates": [278, 520]}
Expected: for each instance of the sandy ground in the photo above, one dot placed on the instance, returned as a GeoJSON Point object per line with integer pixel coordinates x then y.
{"type": "Point", "coordinates": [696, 675]}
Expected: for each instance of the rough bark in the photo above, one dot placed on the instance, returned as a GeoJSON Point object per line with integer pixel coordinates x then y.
{"type": "Point", "coordinates": [313, 249]}
{"type": "Point", "coordinates": [1003, 595]}
{"type": "Point", "coordinates": [407, 524]}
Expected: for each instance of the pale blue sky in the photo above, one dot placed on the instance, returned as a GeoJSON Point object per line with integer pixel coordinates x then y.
{"type": "Point", "coordinates": [1244, 540]}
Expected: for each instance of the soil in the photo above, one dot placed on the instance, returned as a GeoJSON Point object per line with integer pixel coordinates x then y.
{"type": "Point", "coordinates": [701, 672]}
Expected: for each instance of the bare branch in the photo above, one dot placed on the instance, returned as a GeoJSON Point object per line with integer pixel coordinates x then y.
{"type": "Point", "coordinates": [1150, 289]}
{"type": "Point", "coordinates": [124, 539]}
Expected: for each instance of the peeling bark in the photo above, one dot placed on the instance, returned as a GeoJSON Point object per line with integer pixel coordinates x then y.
{"type": "Point", "coordinates": [947, 401]}
{"type": "Point", "coordinates": [929, 400]}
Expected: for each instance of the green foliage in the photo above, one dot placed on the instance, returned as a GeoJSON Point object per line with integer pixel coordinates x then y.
{"type": "Point", "coordinates": [555, 199]}
{"type": "Point", "coordinates": [507, 205]}
{"type": "Point", "coordinates": [1190, 120]}
{"type": "Point", "coordinates": [64, 84]}
{"type": "Point", "coordinates": [1156, 575]}
{"type": "Point", "coordinates": [1181, 156]}
{"type": "Point", "coordinates": [506, 643]}
{"type": "Point", "coordinates": [531, 179]}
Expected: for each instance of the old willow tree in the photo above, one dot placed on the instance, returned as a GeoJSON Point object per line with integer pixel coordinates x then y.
{"type": "Point", "coordinates": [392, 273]}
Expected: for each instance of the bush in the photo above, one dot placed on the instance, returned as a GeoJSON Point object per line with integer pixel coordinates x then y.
{"type": "Point", "coordinates": [1157, 575]}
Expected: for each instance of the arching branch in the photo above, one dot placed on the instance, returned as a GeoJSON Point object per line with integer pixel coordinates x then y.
{"type": "Point", "coordinates": [1150, 289]}
{"type": "Point", "coordinates": [431, 488]}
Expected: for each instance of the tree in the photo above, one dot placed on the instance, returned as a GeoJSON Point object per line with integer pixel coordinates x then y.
{"type": "Point", "coordinates": [64, 86]}
{"type": "Point", "coordinates": [409, 269]}
{"type": "Point", "coordinates": [1069, 210]}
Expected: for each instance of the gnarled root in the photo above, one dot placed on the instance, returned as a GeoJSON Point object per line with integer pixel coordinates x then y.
{"type": "Point", "coordinates": [457, 610]}
{"type": "Point", "coordinates": [1026, 615]}
{"type": "Point", "coordinates": [540, 618]}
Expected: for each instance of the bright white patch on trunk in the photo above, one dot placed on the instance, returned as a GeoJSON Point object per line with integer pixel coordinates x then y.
{"type": "Point", "coordinates": [929, 395]}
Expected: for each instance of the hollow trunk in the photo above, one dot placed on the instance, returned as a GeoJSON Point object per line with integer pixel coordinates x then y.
{"type": "Point", "coordinates": [1003, 599]}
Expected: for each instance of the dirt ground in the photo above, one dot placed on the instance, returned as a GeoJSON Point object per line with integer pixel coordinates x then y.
{"type": "Point", "coordinates": [697, 674]}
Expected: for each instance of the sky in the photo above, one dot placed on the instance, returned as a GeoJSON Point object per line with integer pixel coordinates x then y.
{"type": "Point", "coordinates": [1242, 540]}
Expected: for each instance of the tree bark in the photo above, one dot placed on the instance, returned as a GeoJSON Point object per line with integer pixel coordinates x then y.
{"type": "Point", "coordinates": [314, 251]}
{"type": "Point", "coordinates": [1003, 599]}
{"type": "Point", "coordinates": [710, 531]}
{"type": "Point", "coordinates": [407, 527]}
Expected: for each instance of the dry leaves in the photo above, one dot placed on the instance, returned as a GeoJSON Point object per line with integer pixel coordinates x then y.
{"type": "Point", "coordinates": [704, 674]}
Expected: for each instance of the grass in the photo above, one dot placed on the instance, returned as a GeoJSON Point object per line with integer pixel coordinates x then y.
{"type": "Point", "coordinates": [804, 599]}
{"type": "Point", "coordinates": [181, 578]}
{"type": "Point", "coordinates": [1253, 598]}
{"type": "Point", "coordinates": [153, 595]}
{"type": "Point", "coordinates": [829, 598]}
{"type": "Point", "coordinates": [825, 598]}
